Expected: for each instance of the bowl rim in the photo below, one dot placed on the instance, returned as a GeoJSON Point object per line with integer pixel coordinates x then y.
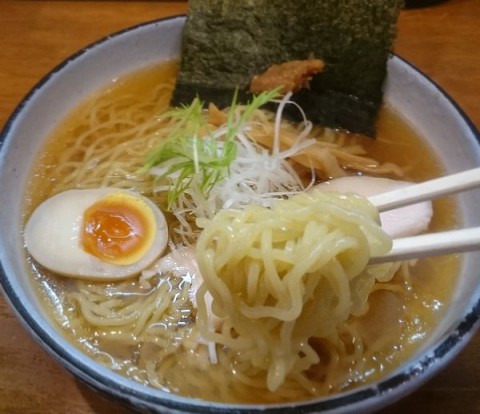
{"type": "Point", "coordinates": [394, 385]}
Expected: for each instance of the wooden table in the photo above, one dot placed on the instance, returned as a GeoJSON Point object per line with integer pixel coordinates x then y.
{"type": "Point", "coordinates": [36, 35]}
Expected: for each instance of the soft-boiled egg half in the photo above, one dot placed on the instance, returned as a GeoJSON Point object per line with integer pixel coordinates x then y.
{"type": "Point", "coordinates": [104, 233]}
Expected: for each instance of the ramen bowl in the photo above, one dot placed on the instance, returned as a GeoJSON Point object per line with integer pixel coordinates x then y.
{"type": "Point", "coordinates": [420, 101]}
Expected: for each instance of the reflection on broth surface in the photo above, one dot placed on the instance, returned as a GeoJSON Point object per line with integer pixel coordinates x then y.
{"type": "Point", "coordinates": [151, 328]}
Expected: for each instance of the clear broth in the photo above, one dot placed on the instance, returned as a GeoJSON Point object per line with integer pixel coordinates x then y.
{"type": "Point", "coordinates": [432, 280]}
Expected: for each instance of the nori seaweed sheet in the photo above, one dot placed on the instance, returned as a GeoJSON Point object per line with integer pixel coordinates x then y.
{"type": "Point", "coordinates": [226, 42]}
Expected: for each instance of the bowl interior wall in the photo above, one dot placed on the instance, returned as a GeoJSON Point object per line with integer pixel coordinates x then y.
{"type": "Point", "coordinates": [435, 116]}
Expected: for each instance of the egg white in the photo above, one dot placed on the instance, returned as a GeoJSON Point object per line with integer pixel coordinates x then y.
{"type": "Point", "coordinates": [52, 237]}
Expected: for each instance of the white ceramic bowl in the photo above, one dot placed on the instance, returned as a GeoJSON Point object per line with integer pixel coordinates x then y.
{"type": "Point", "coordinates": [422, 102]}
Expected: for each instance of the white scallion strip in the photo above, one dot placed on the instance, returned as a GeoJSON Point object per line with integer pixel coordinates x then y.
{"type": "Point", "coordinates": [278, 122]}
{"type": "Point", "coordinates": [256, 176]}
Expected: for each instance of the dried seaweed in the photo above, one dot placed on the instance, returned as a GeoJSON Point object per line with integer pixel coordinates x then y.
{"type": "Point", "coordinates": [226, 42]}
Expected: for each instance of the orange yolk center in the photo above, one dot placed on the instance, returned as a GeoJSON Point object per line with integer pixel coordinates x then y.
{"type": "Point", "coordinates": [118, 229]}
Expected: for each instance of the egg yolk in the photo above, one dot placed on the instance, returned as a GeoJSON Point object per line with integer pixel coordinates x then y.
{"type": "Point", "coordinates": [118, 229]}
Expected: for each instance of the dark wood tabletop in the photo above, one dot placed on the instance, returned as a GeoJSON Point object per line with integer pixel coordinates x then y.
{"type": "Point", "coordinates": [441, 40]}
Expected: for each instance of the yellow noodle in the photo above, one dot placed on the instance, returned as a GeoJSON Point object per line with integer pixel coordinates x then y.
{"type": "Point", "coordinates": [331, 238]}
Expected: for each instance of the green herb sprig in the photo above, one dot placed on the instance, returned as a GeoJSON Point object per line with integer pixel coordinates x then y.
{"type": "Point", "coordinates": [193, 155]}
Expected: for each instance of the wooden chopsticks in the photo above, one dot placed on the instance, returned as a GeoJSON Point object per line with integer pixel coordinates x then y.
{"type": "Point", "coordinates": [432, 244]}
{"type": "Point", "coordinates": [427, 190]}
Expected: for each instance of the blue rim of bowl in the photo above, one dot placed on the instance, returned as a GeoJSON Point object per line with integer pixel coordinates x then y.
{"type": "Point", "coordinates": [424, 366]}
